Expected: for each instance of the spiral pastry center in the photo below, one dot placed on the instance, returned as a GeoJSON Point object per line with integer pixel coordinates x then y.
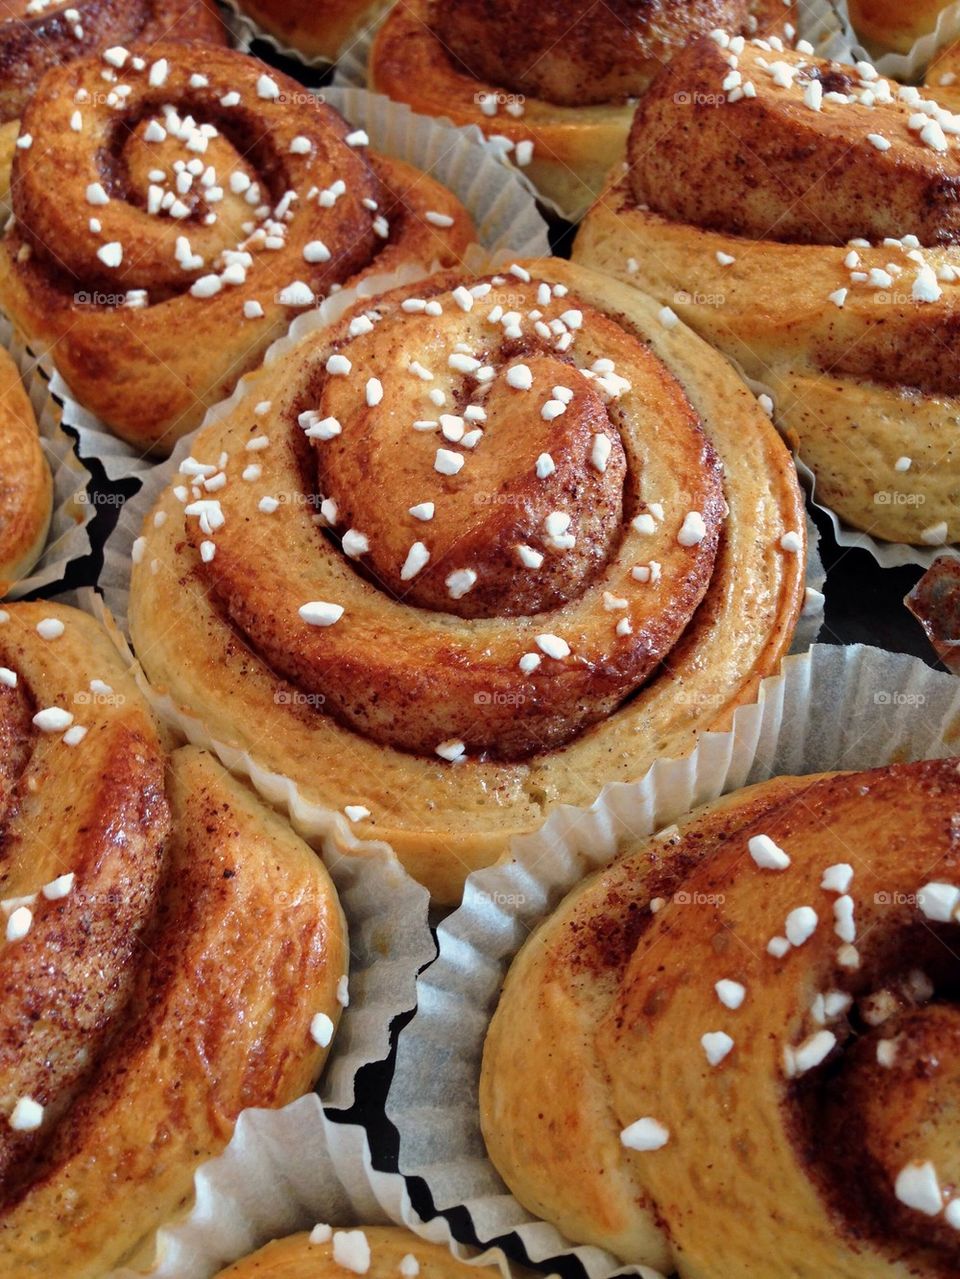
{"type": "Point", "coordinates": [177, 181]}
{"type": "Point", "coordinates": [517, 506]}
{"type": "Point", "coordinates": [498, 448]}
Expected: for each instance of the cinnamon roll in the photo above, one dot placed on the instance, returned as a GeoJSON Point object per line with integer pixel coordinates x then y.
{"type": "Point", "coordinates": [318, 28]}
{"type": "Point", "coordinates": [197, 213]}
{"type": "Point", "coordinates": [36, 35]}
{"type": "Point", "coordinates": [759, 1010]}
{"type": "Point", "coordinates": [800, 216]}
{"type": "Point", "coordinates": [171, 954]}
{"type": "Point", "coordinates": [382, 1252]}
{"type": "Point", "coordinates": [483, 547]}
{"type": "Point", "coordinates": [26, 486]}
{"type": "Point", "coordinates": [554, 80]}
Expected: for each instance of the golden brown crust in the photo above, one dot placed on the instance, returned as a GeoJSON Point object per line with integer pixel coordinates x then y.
{"type": "Point", "coordinates": [891, 26]}
{"type": "Point", "coordinates": [31, 42]}
{"type": "Point", "coordinates": [297, 1258]}
{"type": "Point", "coordinates": [755, 167]}
{"type": "Point", "coordinates": [26, 485]}
{"type": "Point", "coordinates": [935, 603]}
{"type": "Point", "coordinates": [413, 679]}
{"type": "Point", "coordinates": [153, 317]}
{"type": "Point", "coordinates": [318, 28]}
{"type": "Point", "coordinates": [573, 54]}
{"type": "Point", "coordinates": [322, 704]}
{"type": "Point", "coordinates": [565, 147]}
{"type": "Point", "coordinates": [181, 964]}
{"type": "Point", "coordinates": [557, 1148]}
{"type": "Point", "coordinates": [773, 1119]}
{"type": "Point", "coordinates": [854, 340]}
{"type": "Point", "coordinates": [96, 811]}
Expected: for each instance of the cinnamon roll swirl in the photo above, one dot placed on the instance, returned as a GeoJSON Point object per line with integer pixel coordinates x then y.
{"type": "Point", "coordinates": [481, 548]}
{"type": "Point", "coordinates": [381, 1252]}
{"type": "Point", "coordinates": [318, 28]}
{"type": "Point", "coordinates": [26, 486]}
{"type": "Point", "coordinates": [759, 1009]}
{"type": "Point", "coordinates": [36, 35]}
{"type": "Point", "coordinates": [171, 955]}
{"type": "Point", "coordinates": [801, 216]}
{"type": "Point", "coordinates": [197, 213]}
{"type": "Point", "coordinates": [555, 80]}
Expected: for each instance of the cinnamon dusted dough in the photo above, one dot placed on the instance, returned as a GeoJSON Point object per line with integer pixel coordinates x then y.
{"type": "Point", "coordinates": [445, 820]}
{"type": "Point", "coordinates": [759, 1013]}
{"type": "Point", "coordinates": [299, 1258]}
{"type": "Point", "coordinates": [180, 943]}
{"type": "Point", "coordinates": [554, 79]}
{"type": "Point", "coordinates": [856, 342]}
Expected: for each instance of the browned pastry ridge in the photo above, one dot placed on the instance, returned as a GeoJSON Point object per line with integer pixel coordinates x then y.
{"type": "Point", "coordinates": [318, 28]}
{"type": "Point", "coordinates": [171, 953]}
{"type": "Point", "coordinates": [555, 80]}
{"type": "Point", "coordinates": [759, 1009]}
{"type": "Point", "coordinates": [26, 485]}
{"type": "Point", "coordinates": [381, 1252]}
{"type": "Point", "coordinates": [197, 213]}
{"type": "Point", "coordinates": [802, 217]}
{"type": "Point", "coordinates": [483, 546]}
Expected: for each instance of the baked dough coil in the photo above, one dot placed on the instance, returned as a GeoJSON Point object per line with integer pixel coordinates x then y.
{"type": "Point", "coordinates": [800, 216]}
{"type": "Point", "coordinates": [37, 36]}
{"type": "Point", "coordinates": [554, 80]}
{"type": "Point", "coordinates": [26, 485]}
{"type": "Point", "coordinates": [484, 546]}
{"type": "Point", "coordinates": [326, 1252]}
{"type": "Point", "coordinates": [197, 213]}
{"type": "Point", "coordinates": [759, 1011]}
{"type": "Point", "coordinates": [168, 943]}
{"type": "Point", "coordinates": [317, 28]}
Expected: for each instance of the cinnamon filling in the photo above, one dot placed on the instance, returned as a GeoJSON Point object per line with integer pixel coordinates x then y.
{"type": "Point", "coordinates": [576, 53]}
{"type": "Point", "coordinates": [482, 521]}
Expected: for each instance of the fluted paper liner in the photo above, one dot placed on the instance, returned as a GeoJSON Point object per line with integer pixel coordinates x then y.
{"type": "Point", "coordinates": [256, 1192]}
{"type": "Point", "coordinates": [68, 539]}
{"type": "Point", "coordinates": [504, 213]}
{"type": "Point", "coordinates": [834, 708]}
{"type": "Point", "coordinates": [818, 22]}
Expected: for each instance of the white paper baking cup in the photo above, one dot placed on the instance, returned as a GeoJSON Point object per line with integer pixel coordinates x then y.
{"type": "Point", "coordinates": [503, 209]}
{"type": "Point", "coordinates": [834, 708]}
{"type": "Point", "coordinates": [283, 1172]}
{"type": "Point", "coordinates": [912, 66]}
{"type": "Point", "coordinates": [818, 22]}
{"type": "Point", "coordinates": [68, 539]}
